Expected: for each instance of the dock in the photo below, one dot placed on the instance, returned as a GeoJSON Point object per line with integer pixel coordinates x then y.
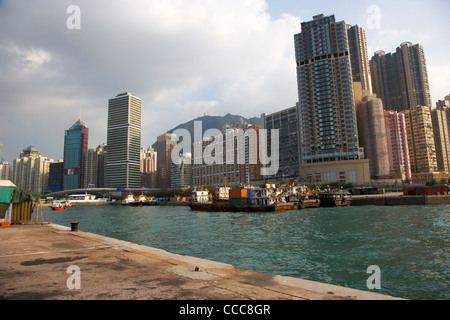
{"type": "Point", "coordinates": [39, 261]}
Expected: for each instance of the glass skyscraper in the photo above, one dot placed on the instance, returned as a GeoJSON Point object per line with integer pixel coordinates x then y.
{"type": "Point", "coordinates": [327, 117]}
{"type": "Point", "coordinates": [75, 148]}
{"type": "Point", "coordinates": [124, 141]}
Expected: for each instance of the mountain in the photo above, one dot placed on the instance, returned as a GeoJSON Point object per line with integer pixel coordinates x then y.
{"type": "Point", "coordinates": [213, 122]}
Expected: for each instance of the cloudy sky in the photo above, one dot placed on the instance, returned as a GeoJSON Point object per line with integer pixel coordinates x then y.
{"type": "Point", "coordinates": [183, 58]}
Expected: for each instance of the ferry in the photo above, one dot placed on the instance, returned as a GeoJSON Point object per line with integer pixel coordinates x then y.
{"type": "Point", "coordinates": [85, 199]}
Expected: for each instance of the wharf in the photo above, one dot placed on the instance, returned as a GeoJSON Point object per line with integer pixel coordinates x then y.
{"type": "Point", "coordinates": [35, 257]}
{"type": "Point", "coordinates": [398, 199]}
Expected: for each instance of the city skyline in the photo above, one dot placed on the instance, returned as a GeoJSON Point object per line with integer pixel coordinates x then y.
{"type": "Point", "coordinates": [237, 58]}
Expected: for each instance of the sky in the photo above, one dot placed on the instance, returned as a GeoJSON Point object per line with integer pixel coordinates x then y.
{"type": "Point", "coordinates": [183, 58]}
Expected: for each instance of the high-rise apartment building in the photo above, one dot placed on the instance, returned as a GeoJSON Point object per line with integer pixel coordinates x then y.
{"type": "Point", "coordinates": [372, 135]}
{"type": "Point", "coordinates": [397, 140]}
{"type": "Point", "coordinates": [124, 141]}
{"type": "Point", "coordinates": [441, 139]}
{"type": "Point", "coordinates": [236, 152]}
{"type": "Point", "coordinates": [400, 79]}
{"type": "Point", "coordinates": [419, 128]}
{"type": "Point", "coordinates": [359, 57]}
{"type": "Point", "coordinates": [31, 171]}
{"type": "Point", "coordinates": [75, 148]}
{"type": "Point", "coordinates": [164, 145]}
{"type": "Point", "coordinates": [329, 146]}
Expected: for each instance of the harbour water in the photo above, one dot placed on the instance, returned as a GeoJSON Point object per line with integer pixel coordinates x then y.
{"type": "Point", "coordinates": [331, 245]}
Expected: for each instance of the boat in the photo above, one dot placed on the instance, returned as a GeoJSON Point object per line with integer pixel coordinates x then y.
{"type": "Point", "coordinates": [57, 206]}
{"type": "Point", "coordinates": [334, 199]}
{"type": "Point", "coordinates": [85, 199]}
{"type": "Point", "coordinates": [309, 203]}
{"type": "Point", "coordinates": [266, 199]}
{"type": "Point", "coordinates": [131, 200]}
{"type": "Point", "coordinates": [68, 204]}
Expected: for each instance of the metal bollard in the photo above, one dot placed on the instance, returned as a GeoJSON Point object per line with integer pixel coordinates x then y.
{"type": "Point", "coordinates": [74, 225]}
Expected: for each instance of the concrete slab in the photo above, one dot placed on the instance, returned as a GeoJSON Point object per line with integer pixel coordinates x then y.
{"type": "Point", "coordinates": [34, 262]}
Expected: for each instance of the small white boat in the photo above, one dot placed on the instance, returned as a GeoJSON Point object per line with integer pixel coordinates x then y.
{"type": "Point", "coordinates": [57, 206]}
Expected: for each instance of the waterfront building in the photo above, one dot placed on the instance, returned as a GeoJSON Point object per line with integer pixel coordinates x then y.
{"type": "Point", "coordinates": [101, 165]}
{"type": "Point", "coordinates": [5, 171]}
{"type": "Point", "coordinates": [181, 172]}
{"type": "Point", "coordinates": [149, 160]}
{"type": "Point", "coordinates": [400, 79]}
{"type": "Point", "coordinates": [164, 145]}
{"type": "Point", "coordinates": [326, 106]}
{"type": "Point", "coordinates": [124, 141]}
{"type": "Point", "coordinates": [31, 171]}
{"type": "Point", "coordinates": [441, 139]}
{"type": "Point", "coordinates": [286, 121]}
{"type": "Point", "coordinates": [55, 176]}
{"type": "Point", "coordinates": [75, 148]}
{"type": "Point", "coordinates": [238, 143]}
{"type": "Point", "coordinates": [397, 140]}
{"type": "Point", "coordinates": [419, 128]}
{"type": "Point", "coordinates": [444, 105]}
{"type": "Point", "coordinates": [91, 169]}
{"type": "Point", "coordinates": [372, 135]}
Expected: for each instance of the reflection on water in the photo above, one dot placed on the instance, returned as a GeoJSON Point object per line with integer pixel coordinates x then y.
{"type": "Point", "coordinates": [331, 245]}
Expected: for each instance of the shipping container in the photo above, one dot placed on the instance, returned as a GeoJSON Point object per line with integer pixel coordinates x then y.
{"type": "Point", "coordinates": [238, 194]}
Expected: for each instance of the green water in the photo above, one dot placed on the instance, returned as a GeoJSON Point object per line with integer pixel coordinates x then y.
{"type": "Point", "coordinates": [330, 245]}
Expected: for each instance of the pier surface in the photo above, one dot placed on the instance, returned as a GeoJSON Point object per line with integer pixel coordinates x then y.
{"type": "Point", "coordinates": [36, 263]}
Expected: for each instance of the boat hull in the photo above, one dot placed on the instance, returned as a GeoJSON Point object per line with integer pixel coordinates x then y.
{"type": "Point", "coordinates": [227, 207]}
{"type": "Point", "coordinates": [309, 204]}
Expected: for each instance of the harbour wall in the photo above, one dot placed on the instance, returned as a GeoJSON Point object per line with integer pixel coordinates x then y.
{"type": "Point", "coordinates": [399, 200]}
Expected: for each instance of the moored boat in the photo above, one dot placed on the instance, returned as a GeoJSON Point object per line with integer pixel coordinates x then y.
{"type": "Point", "coordinates": [334, 199]}
{"type": "Point", "coordinates": [57, 206]}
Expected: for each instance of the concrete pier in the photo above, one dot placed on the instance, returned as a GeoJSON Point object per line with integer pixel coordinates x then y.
{"type": "Point", "coordinates": [47, 262]}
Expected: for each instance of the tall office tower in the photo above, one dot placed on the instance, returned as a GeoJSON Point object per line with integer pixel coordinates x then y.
{"type": "Point", "coordinates": [148, 167]}
{"type": "Point", "coordinates": [400, 79]}
{"type": "Point", "coordinates": [91, 169]}
{"type": "Point", "coordinates": [75, 148]}
{"type": "Point", "coordinates": [329, 145]}
{"type": "Point", "coordinates": [124, 141]}
{"type": "Point", "coordinates": [359, 57]}
{"type": "Point", "coordinates": [441, 139]}
{"type": "Point", "coordinates": [400, 165]}
{"type": "Point", "coordinates": [286, 121]}
{"type": "Point", "coordinates": [101, 165]}
{"type": "Point", "coordinates": [372, 135]}
{"type": "Point", "coordinates": [31, 171]}
{"type": "Point", "coordinates": [164, 146]}
{"type": "Point", "coordinates": [419, 128]}
{"type": "Point", "coordinates": [55, 176]}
